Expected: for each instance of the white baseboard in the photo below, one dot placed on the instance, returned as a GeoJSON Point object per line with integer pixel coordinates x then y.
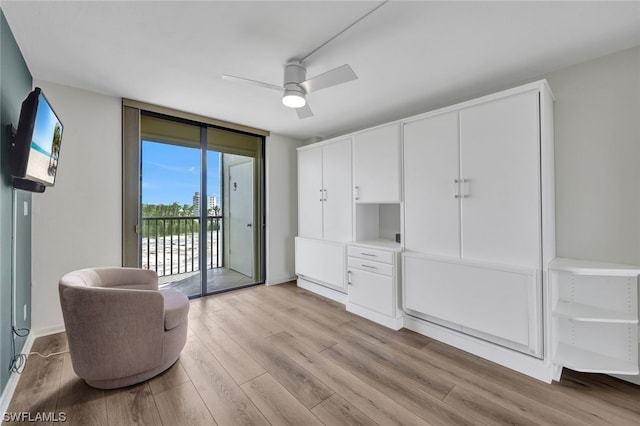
{"type": "Point", "coordinates": [47, 331]}
{"type": "Point", "coordinates": [392, 323]}
{"type": "Point", "coordinates": [323, 291]}
{"type": "Point", "coordinates": [281, 280]}
{"type": "Point", "coordinates": [12, 383]}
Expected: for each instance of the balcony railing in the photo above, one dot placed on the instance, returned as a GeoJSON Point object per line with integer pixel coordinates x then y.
{"type": "Point", "coordinates": [171, 245]}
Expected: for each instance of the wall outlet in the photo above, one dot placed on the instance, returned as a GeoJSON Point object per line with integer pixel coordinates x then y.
{"type": "Point", "coordinates": [25, 312]}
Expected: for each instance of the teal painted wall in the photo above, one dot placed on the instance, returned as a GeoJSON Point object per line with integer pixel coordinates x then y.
{"type": "Point", "coordinates": [15, 85]}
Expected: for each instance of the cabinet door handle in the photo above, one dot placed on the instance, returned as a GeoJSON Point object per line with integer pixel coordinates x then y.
{"type": "Point", "coordinates": [357, 193]}
{"type": "Point", "coordinates": [368, 254]}
{"type": "Point", "coordinates": [466, 189]}
{"type": "Point", "coordinates": [456, 188]}
{"type": "Point", "coordinates": [325, 194]}
{"type": "Point", "coordinates": [321, 198]}
{"type": "Point", "coordinates": [367, 266]}
{"type": "Point", "coordinates": [348, 277]}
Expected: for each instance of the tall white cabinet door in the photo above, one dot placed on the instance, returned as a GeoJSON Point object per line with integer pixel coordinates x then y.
{"type": "Point", "coordinates": [376, 165]}
{"type": "Point", "coordinates": [336, 166]}
{"type": "Point", "coordinates": [310, 193]}
{"type": "Point", "coordinates": [500, 159]}
{"type": "Point", "coordinates": [431, 166]}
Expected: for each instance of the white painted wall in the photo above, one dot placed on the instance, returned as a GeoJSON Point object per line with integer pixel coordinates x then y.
{"type": "Point", "coordinates": [77, 223]}
{"type": "Point", "coordinates": [597, 155]}
{"type": "Point", "coordinates": [282, 206]}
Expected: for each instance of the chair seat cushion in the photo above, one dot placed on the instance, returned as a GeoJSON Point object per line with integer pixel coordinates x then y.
{"type": "Point", "coordinates": [176, 308]}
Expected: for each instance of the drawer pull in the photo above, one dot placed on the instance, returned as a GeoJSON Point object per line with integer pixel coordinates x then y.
{"type": "Point", "coordinates": [368, 254]}
{"type": "Point", "coordinates": [367, 266]}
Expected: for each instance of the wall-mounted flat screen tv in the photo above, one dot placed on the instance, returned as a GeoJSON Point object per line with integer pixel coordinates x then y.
{"type": "Point", "coordinates": [36, 146]}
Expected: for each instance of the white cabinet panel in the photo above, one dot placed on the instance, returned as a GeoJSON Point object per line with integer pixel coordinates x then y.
{"type": "Point", "coordinates": [376, 165]}
{"type": "Point", "coordinates": [322, 262]}
{"type": "Point", "coordinates": [500, 159]}
{"type": "Point", "coordinates": [371, 290]}
{"type": "Point", "coordinates": [498, 302]}
{"type": "Point", "coordinates": [310, 193]}
{"type": "Point", "coordinates": [336, 179]}
{"type": "Point", "coordinates": [370, 254]}
{"type": "Point", "coordinates": [431, 166]}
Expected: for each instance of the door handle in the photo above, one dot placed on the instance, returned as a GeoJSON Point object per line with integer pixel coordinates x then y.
{"type": "Point", "coordinates": [466, 189]}
{"type": "Point", "coordinates": [349, 277]}
{"type": "Point", "coordinates": [325, 194]}
{"type": "Point", "coordinates": [357, 194]}
{"type": "Point", "coordinates": [321, 197]}
{"type": "Point", "coordinates": [249, 225]}
{"type": "Point", "coordinates": [456, 188]}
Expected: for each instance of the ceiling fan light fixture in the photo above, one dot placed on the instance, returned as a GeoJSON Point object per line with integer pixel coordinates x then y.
{"type": "Point", "coordinates": [293, 98]}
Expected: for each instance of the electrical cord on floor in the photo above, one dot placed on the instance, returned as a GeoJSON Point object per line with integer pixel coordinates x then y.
{"type": "Point", "coordinates": [18, 361]}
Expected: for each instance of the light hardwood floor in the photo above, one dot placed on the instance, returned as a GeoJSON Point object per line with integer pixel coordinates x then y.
{"type": "Point", "coordinates": [282, 355]}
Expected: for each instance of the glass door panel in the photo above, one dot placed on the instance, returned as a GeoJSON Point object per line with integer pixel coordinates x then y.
{"type": "Point", "coordinates": [170, 222]}
{"type": "Point", "coordinates": [237, 254]}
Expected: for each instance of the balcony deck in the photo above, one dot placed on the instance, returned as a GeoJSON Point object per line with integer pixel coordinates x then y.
{"type": "Point", "coordinates": [218, 279]}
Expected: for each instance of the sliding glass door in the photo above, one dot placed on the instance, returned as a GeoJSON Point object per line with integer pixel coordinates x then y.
{"type": "Point", "coordinates": [200, 206]}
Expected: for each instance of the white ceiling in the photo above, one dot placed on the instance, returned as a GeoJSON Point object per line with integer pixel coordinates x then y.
{"type": "Point", "coordinates": [410, 56]}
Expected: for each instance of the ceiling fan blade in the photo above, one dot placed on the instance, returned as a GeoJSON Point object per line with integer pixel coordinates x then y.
{"type": "Point", "coordinates": [334, 77]}
{"type": "Point", "coordinates": [254, 82]}
{"type": "Point", "coordinates": [304, 112]}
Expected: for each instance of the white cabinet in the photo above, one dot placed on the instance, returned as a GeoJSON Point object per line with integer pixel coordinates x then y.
{"type": "Point", "coordinates": [376, 165]}
{"type": "Point", "coordinates": [322, 262]}
{"type": "Point", "coordinates": [324, 213]}
{"type": "Point", "coordinates": [373, 276]}
{"type": "Point", "coordinates": [492, 302]}
{"type": "Point", "coordinates": [324, 191]}
{"type": "Point", "coordinates": [473, 227]}
{"type": "Point", "coordinates": [472, 182]}
{"type": "Point", "coordinates": [595, 316]}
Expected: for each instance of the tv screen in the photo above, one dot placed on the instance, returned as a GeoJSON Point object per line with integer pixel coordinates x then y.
{"type": "Point", "coordinates": [37, 142]}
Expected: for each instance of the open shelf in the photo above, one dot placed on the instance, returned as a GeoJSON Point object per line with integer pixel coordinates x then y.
{"type": "Point", "coordinates": [586, 267]}
{"type": "Point", "coordinates": [590, 362]}
{"type": "Point", "coordinates": [587, 313]}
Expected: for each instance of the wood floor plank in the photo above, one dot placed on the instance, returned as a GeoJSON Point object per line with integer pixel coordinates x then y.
{"type": "Point", "coordinates": [300, 327]}
{"type": "Point", "coordinates": [417, 365]}
{"type": "Point", "coordinates": [133, 405]}
{"type": "Point", "coordinates": [299, 382]}
{"type": "Point", "coordinates": [82, 404]}
{"type": "Point", "coordinates": [367, 375]}
{"type": "Point", "coordinates": [557, 395]}
{"type": "Point", "coordinates": [405, 392]}
{"type": "Point", "coordinates": [182, 405]}
{"type": "Point", "coordinates": [378, 406]}
{"type": "Point", "coordinates": [376, 333]}
{"type": "Point", "coordinates": [37, 390]}
{"type": "Point", "coordinates": [221, 394]}
{"type": "Point", "coordinates": [483, 410]}
{"type": "Point", "coordinates": [278, 405]}
{"type": "Point", "coordinates": [238, 363]}
{"type": "Point", "coordinates": [172, 377]}
{"type": "Point", "coordinates": [388, 358]}
{"type": "Point", "coordinates": [338, 411]}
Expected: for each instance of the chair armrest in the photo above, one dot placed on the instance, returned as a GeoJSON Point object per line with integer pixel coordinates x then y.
{"type": "Point", "coordinates": [176, 308]}
{"type": "Point", "coordinates": [131, 278]}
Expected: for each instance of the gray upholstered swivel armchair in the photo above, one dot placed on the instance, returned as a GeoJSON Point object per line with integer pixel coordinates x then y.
{"type": "Point", "coordinates": [121, 329]}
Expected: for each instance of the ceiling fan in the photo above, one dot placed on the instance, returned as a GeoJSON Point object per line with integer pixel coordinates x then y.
{"type": "Point", "coordinates": [295, 84]}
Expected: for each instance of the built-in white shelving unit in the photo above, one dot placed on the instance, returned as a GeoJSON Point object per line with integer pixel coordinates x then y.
{"type": "Point", "coordinates": [595, 316]}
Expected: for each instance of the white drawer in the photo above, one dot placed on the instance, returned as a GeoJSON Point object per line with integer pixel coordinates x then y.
{"type": "Point", "coordinates": [371, 266]}
{"type": "Point", "coordinates": [370, 254]}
